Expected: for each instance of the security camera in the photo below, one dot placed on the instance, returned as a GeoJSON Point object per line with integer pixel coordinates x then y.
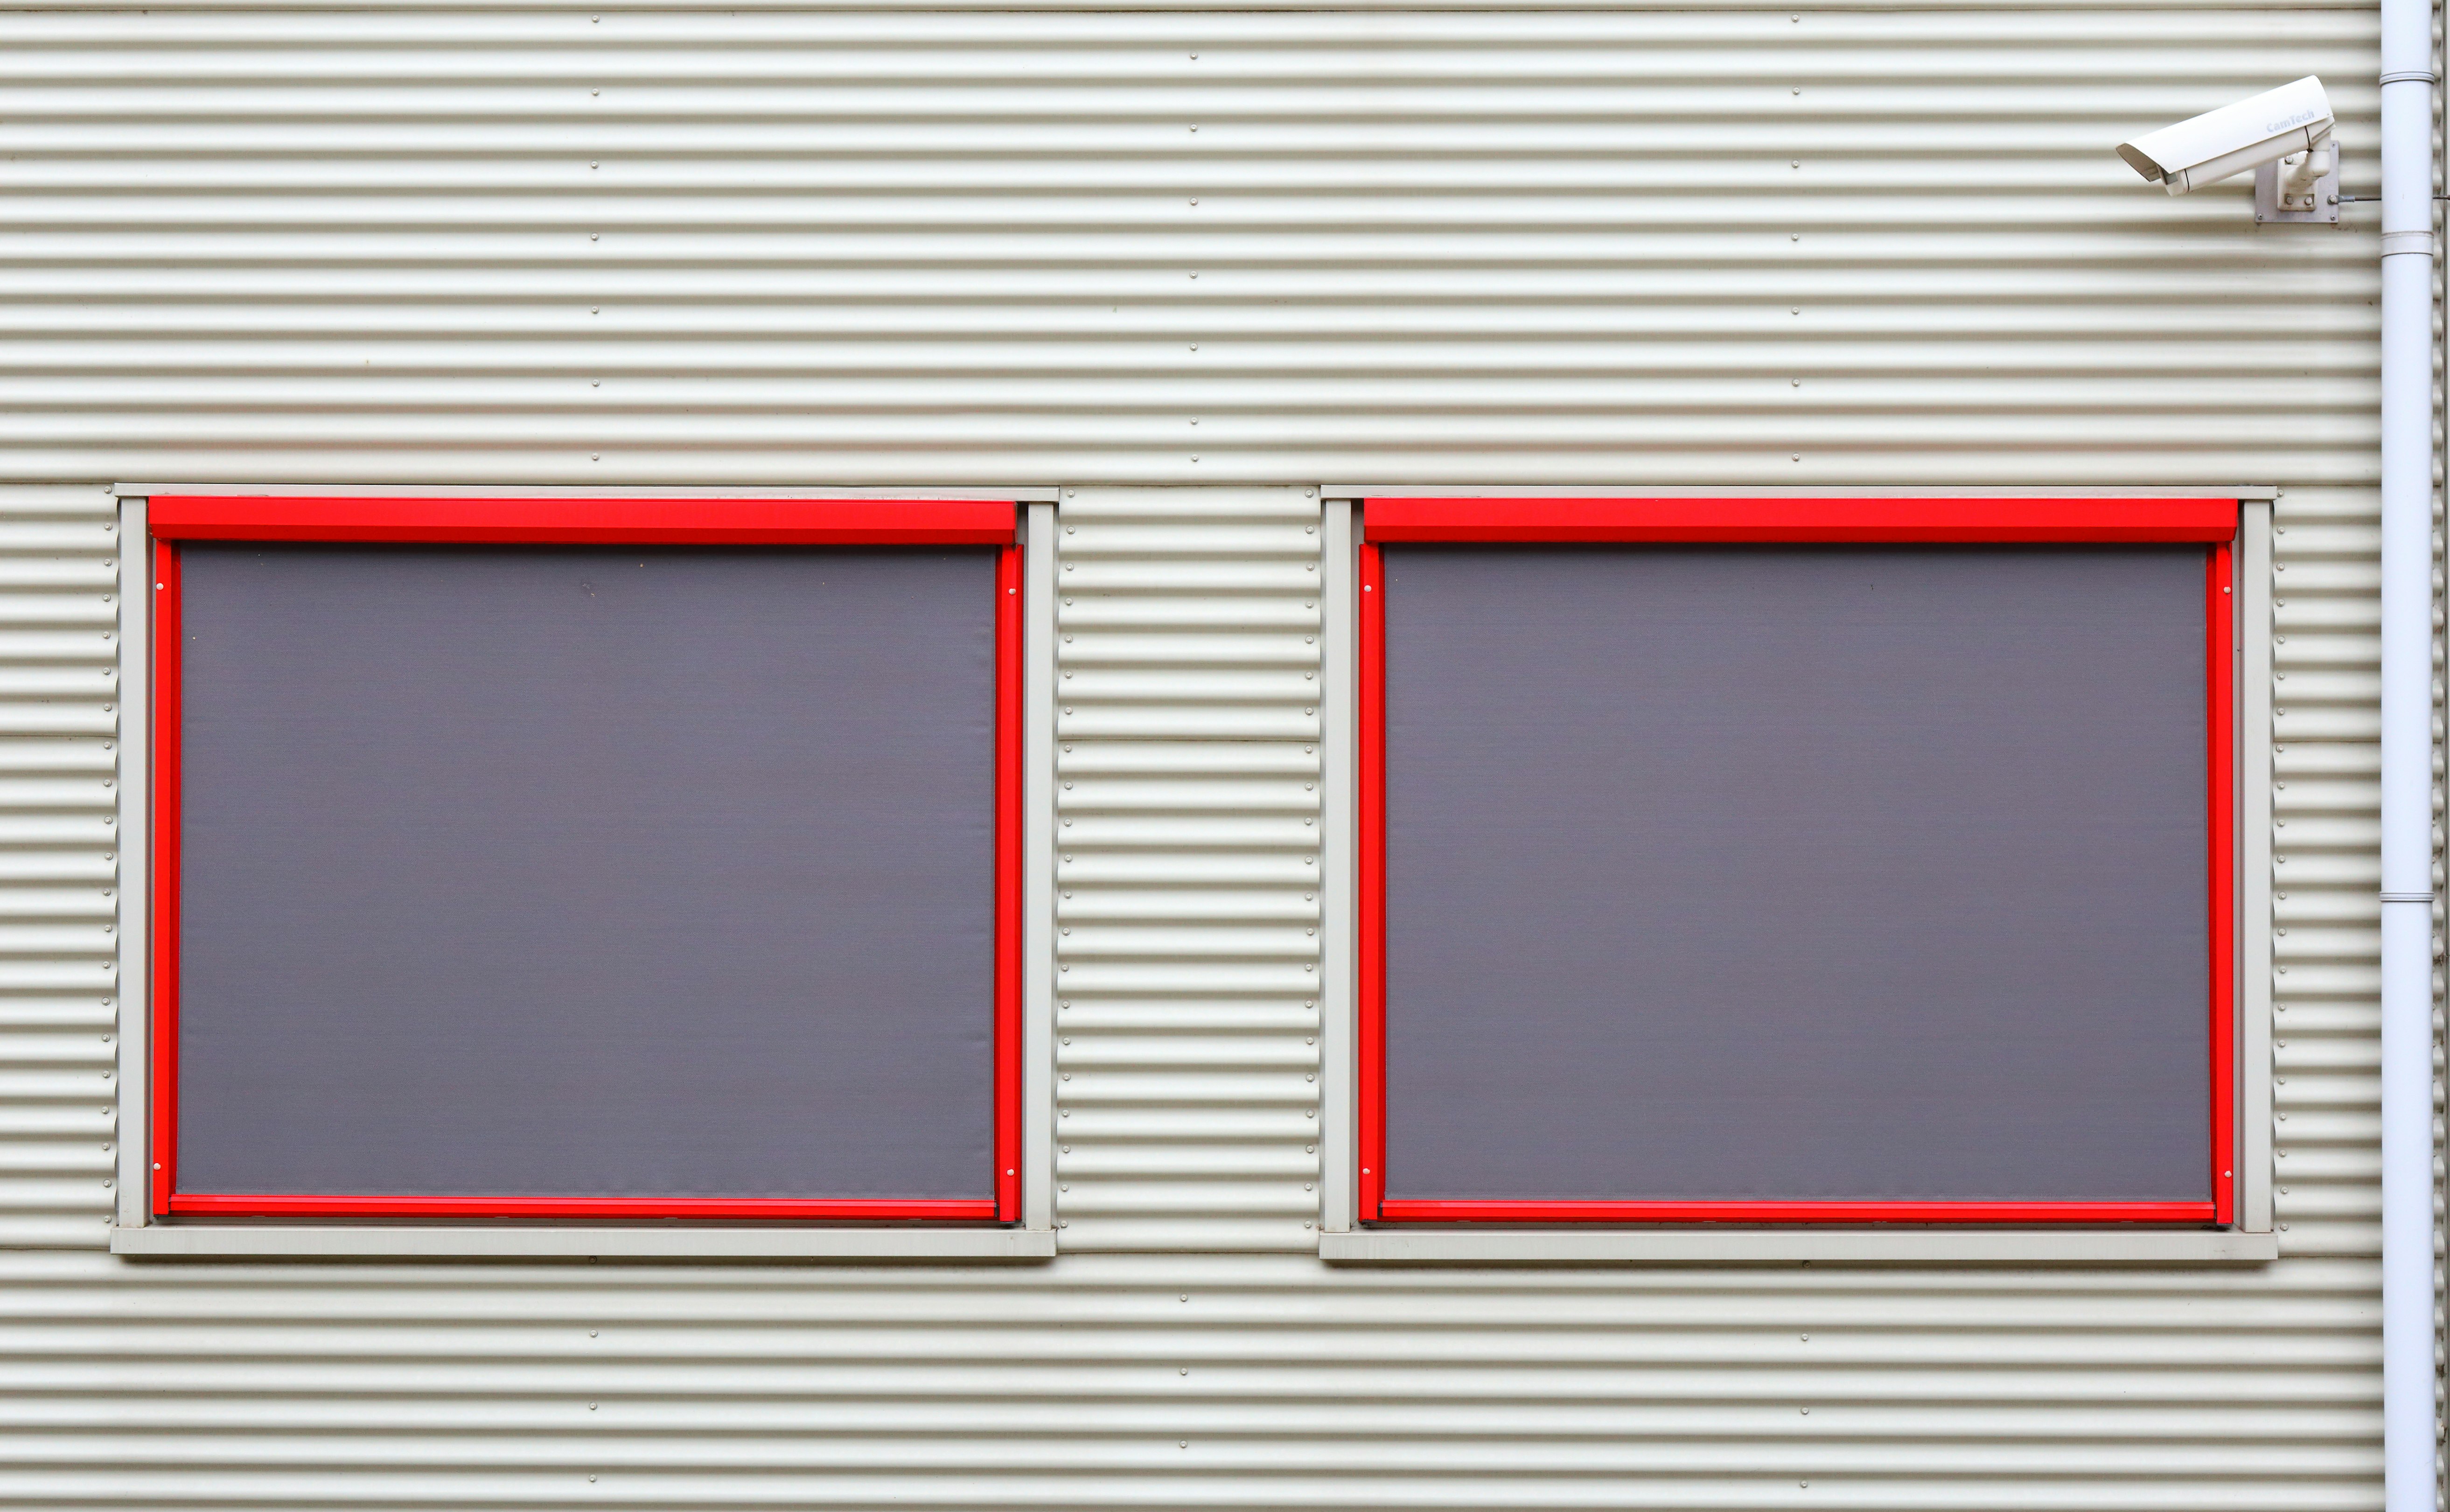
{"type": "Point", "coordinates": [2290, 126]}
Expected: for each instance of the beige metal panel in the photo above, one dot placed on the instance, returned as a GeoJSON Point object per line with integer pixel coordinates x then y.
{"type": "Point", "coordinates": [1192, 7]}
{"type": "Point", "coordinates": [1147, 1381]}
{"type": "Point", "coordinates": [2326, 919]}
{"type": "Point", "coordinates": [58, 912]}
{"type": "Point", "coordinates": [1714, 247]}
{"type": "Point", "coordinates": [1510, 247]}
{"type": "Point", "coordinates": [1188, 884]}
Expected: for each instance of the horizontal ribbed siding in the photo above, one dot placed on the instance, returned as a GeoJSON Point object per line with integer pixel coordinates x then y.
{"type": "Point", "coordinates": [1149, 1381]}
{"type": "Point", "coordinates": [59, 655]}
{"type": "Point", "coordinates": [2326, 871]}
{"type": "Point", "coordinates": [1512, 248]}
{"type": "Point", "coordinates": [1188, 892]}
{"type": "Point", "coordinates": [1507, 247]}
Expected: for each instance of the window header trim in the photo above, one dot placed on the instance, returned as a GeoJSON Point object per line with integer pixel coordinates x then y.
{"type": "Point", "coordinates": [1823, 520]}
{"type": "Point", "coordinates": [586, 521]}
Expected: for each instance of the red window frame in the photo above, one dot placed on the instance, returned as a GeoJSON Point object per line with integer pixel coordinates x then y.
{"type": "Point", "coordinates": [2210, 522]}
{"type": "Point", "coordinates": [589, 521]}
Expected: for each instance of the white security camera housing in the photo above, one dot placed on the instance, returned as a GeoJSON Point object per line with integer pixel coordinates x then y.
{"type": "Point", "coordinates": [2295, 118]}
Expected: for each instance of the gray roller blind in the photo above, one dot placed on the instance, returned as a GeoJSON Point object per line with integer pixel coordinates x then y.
{"type": "Point", "coordinates": [593, 873]}
{"type": "Point", "coordinates": [1800, 874]}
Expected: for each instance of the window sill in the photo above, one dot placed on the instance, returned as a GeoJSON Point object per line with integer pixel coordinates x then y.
{"type": "Point", "coordinates": [1852, 1247]}
{"type": "Point", "coordinates": [676, 1242]}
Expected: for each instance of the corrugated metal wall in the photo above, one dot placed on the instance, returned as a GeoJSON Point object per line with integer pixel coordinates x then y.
{"type": "Point", "coordinates": [1707, 248]}
{"type": "Point", "coordinates": [1504, 247]}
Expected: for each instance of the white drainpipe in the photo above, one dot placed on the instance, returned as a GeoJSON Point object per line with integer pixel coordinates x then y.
{"type": "Point", "coordinates": [2407, 256]}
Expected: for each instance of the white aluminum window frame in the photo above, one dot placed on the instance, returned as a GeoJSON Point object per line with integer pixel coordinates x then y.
{"type": "Point", "coordinates": [137, 1233]}
{"type": "Point", "coordinates": [1344, 1240]}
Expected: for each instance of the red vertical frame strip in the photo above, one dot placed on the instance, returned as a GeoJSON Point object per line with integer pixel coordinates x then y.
{"type": "Point", "coordinates": [165, 1056]}
{"type": "Point", "coordinates": [1373, 894]}
{"type": "Point", "coordinates": [1009, 670]}
{"type": "Point", "coordinates": [2220, 681]}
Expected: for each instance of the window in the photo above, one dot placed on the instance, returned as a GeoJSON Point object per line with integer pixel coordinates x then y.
{"type": "Point", "coordinates": [586, 859]}
{"type": "Point", "coordinates": [1797, 861]}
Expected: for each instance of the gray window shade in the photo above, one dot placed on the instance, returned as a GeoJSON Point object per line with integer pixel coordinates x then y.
{"type": "Point", "coordinates": [590, 873]}
{"type": "Point", "coordinates": [1829, 873]}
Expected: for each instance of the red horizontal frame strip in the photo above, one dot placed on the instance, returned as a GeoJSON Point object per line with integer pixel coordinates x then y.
{"type": "Point", "coordinates": [239, 1205]}
{"type": "Point", "coordinates": [585, 521]}
{"type": "Point", "coordinates": [502, 521]}
{"type": "Point", "coordinates": [2032, 520]}
{"type": "Point", "coordinates": [1430, 1212]}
